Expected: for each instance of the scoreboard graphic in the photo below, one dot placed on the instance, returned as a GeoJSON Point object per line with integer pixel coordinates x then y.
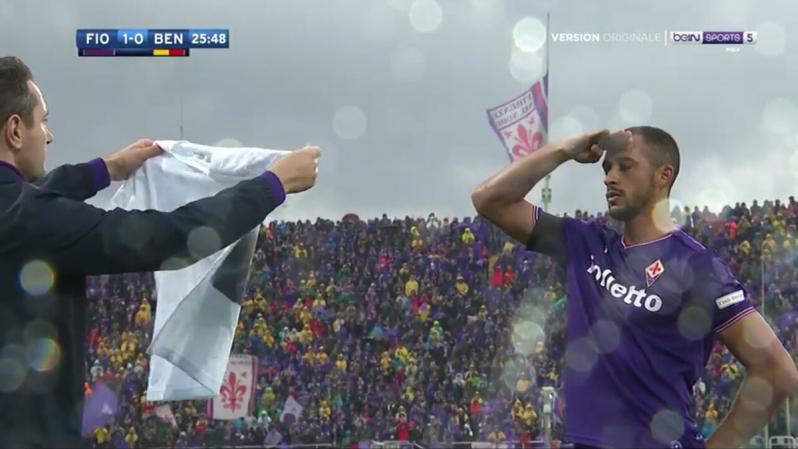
{"type": "Point", "coordinates": [149, 42]}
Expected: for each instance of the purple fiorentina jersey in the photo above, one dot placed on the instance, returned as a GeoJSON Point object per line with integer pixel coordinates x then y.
{"type": "Point", "coordinates": [641, 323]}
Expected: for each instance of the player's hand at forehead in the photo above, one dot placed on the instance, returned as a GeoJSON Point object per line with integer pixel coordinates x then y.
{"type": "Point", "coordinates": [588, 148]}
{"type": "Point", "coordinates": [615, 142]}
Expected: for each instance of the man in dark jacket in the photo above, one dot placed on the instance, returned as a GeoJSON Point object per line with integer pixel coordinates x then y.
{"type": "Point", "coordinates": [50, 240]}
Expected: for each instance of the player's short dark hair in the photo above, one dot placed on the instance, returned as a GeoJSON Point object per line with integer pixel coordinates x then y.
{"type": "Point", "coordinates": [15, 96]}
{"type": "Point", "coordinates": [662, 146]}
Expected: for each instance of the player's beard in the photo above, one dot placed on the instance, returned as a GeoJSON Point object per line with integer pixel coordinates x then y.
{"type": "Point", "coordinates": [631, 203]}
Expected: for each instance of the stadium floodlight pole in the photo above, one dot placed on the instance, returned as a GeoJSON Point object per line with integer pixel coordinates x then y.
{"type": "Point", "coordinates": [546, 192]}
{"type": "Point", "coordinates": [762, 298]}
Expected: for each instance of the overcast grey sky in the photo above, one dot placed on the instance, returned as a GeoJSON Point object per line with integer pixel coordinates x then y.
{"type": "Point", "coordinates": [395, 91]}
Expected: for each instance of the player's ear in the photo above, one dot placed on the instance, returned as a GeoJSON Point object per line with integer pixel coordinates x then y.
{"type": "Point", "coordinates": [665, 174]}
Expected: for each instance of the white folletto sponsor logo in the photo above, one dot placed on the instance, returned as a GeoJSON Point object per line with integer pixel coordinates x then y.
{"type": "Point", "coordinates": [629, 294]}
{"type": "Point", "coordinates": [732, 298]}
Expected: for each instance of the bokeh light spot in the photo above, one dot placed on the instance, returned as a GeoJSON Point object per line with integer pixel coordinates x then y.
{"type": "Point", "coordinates": [581, 355]}
{"type": "Point", "coordinates": [694, 323]}
{"type": "Point", "coordinates": [758, 395]}
{"type": "Point", "coordinates": [203, 241]}
{"type": "Point", "coordinates": [36, 277]}
{"type": "Point", "coordinates": [526, 335]}
{"type": "Point", "coordinates": [607, 335]}
{"type": "Point", "coordinates": [565, 126]}
{"type": "Point", "coordinates": [425, 15]}
{"type": "Point", "coordinates": [529, 34]}
{"type": "Point", "coordinates": [12, 374]}
{"type": "Point", "coordinates": [666, 426]}
{"type": "Point", "coordinates": [526, 66]}
{"type": "Point", "coordinates": [43, 354]}
{"type": "Point", "coordinates": [349, 122]}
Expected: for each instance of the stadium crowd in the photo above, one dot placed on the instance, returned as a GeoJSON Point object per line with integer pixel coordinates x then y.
{"type": "Point", "coordinates": [434, 330]}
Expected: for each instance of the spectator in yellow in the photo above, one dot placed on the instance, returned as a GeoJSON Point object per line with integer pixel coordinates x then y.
{"type": "Point", "coordinates": [190, 409]}
{"type": "Point", "coordinates": [497, 436]}
{"type": "Point", "coordinates": [248, 306]}
{"type": "Point", "coordinates": [260, 325]}
{"type": "Point", "coordinates": [340, 364]}
{"type": "Point", "coordinates": [411, 370]}
{"type": "Point", "coordinates": [745, 248]}
{"type": "Point", "coordinates": [436, 331]}
{"type": "Point", "coordinates": [319, 303]}
{"type": "Point", "coordinates": [325, 412]}
{"type": "Point", "coordinates": [731, 369]}
{"type": "Point", "coordinates": [411, 286]}
{"type": "Point", "coordinates": [261, 302]}
{"type": "Point", "coordinates": [268, 397]}
{"type": "Point", "coordinates": [101, 436]}
{"type": "Point", "coordinates": [321, 356]}
{"type": "Point", "coordinates": [305, 335]}
{"type": "Point", "coordinates": [116, 360]}
{"type": "Point", "coordinates": [338, 324]}
{"type": "Point", "coordinates": [529, 417]}
{"type": "Point", "coordinates": [769, 245]}
{"type": "Point", "coordinates": [311, 283]}
{"type": "Point", "coordinates": [416, 242]}
{"type": "Point", "coordinates": [483, 313]}
{"type": "Point", "coordinates": [304, 315]}
{"type": "Point", "coordinates": [128, 347]}
{"type": "Point", "coordinates": [461, 285]}
{"type": "Point", "coordinates": [409, 395]}
{"type": "Point", "coordinates": [404, 270]}
{"type": "Point", "coordinates": [385, 362]}
{"type": "Point", "coordinates": [131, 437]}
{"type": "Point", "coordinates": [141, 361]}
{"type": "Point", "coordinates": [402, 353]}
{"type": "Point", "coordinates": [300, 252]}
{"type": "Point", "coordinates": [518, 410]}
{"type": "Point", "coordinates": [268, 338]}
{"type": "Point", "coordinates": [144, 315]}
{"type": "Point", "coordinates": [423, 312]}
{"type": "Point", "coordinates": [711, 414]}
{"type": "Point", "coordinates": [468, 236]}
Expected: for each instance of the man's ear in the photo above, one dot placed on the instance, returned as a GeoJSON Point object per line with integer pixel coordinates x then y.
{"type": "Point", "coordinates": [12, 132]}
{"type": "Point", "coordinates": [665, 174]}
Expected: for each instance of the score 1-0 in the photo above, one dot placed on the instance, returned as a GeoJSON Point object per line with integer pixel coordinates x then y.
{"type": "Point", "coordinates": [132, 38]}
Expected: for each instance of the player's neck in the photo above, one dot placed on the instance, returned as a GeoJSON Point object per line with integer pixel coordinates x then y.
{"type": "Point", "coordinates": [649, 225]}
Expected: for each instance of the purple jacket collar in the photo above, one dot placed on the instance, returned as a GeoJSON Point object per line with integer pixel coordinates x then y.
{"type": "Point", "coordinates": [13, 169]}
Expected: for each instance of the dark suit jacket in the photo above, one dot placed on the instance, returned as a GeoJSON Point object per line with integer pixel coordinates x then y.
{"type": "Point", "coordinates": [50, 240]}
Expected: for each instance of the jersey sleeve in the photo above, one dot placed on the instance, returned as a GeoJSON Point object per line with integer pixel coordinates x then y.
{"type": "Point", "coordinates": [547, 235]}
{"type": "Point", "coordinates": [716, 290]}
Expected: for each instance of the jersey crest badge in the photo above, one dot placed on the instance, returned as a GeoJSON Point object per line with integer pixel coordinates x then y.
{"type": "Point", "coordinates": [653, 272]}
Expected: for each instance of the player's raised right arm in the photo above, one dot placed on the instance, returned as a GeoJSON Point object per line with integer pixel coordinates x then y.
{"type": "Point", "coordinates": [501, 198]}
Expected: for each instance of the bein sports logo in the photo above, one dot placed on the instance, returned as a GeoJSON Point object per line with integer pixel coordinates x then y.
{"type": "Point", "coordinates": [630, 295]}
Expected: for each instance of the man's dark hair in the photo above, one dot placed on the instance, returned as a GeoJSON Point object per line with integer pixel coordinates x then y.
{"type": "Point", "coordinates": [662, 146]}
{"type": "Point", "coordinates": [15, 96]}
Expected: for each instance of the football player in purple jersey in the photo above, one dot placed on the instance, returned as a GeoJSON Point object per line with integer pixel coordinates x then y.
{"type": "Point", "coordinates": [645, 306]}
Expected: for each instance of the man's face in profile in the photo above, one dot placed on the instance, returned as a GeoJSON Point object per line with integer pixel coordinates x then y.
{"type": "Point", "coordinates": [35, 138]}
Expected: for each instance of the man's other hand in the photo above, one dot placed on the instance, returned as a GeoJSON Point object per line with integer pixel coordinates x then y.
{"type": "Point", "coordinates": [297, 170]}
{"type": "Point", "coordinates": [124, 162]}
